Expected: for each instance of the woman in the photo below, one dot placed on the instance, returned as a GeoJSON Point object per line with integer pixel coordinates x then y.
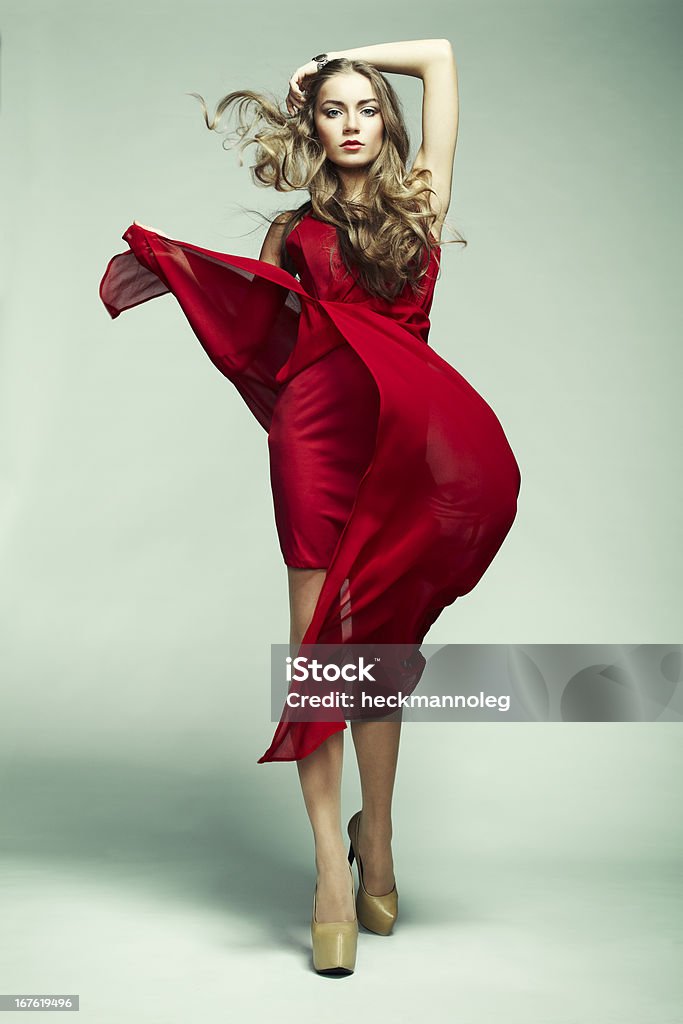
{"type": "Point", "coordinates": [393, 482]}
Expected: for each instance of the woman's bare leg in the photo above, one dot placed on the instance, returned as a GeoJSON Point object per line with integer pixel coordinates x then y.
{"type": "Point", "coordinates": [320, 773]}
{"type": "Point", "coordinates": [376, 745]}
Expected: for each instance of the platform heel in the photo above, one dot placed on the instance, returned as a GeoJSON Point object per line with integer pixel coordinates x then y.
{"type": "Point", "coordinates": [334, 942]}
{"type": "Point", "coordinates": [376, 913]}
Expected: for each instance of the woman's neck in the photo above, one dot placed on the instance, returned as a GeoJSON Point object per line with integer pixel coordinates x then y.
{"type": "Point", "coordinates": [352, 186]}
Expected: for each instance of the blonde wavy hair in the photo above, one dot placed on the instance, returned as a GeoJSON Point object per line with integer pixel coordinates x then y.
{"type": "Point", "coordinates": [385, 239]}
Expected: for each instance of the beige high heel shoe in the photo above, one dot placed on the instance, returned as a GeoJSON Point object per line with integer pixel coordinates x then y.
{"type": "Point", "coordinates": [334, 942]}
{"type": "Point", "coordinates": [376, 913]}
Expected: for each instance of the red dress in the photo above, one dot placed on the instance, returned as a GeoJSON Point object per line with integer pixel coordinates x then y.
{"type": "Point", "coordinates": [387, 468]}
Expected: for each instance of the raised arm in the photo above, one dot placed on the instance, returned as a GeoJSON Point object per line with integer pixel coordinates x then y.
{"type": "Point", "coordinates": [433, 61]}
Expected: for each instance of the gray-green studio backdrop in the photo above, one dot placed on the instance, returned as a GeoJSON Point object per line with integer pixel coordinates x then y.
{"type": "Point", "coordinates": [149, 863]}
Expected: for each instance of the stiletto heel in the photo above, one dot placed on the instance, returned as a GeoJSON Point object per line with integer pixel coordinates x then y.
{"type": "Point", "coordinates": [334, 942]}
{"type": "Point", "coordinates": [376, 913]}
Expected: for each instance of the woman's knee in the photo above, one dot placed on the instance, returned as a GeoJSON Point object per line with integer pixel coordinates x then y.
{"type": "Point", "coordinates": [304, 589]}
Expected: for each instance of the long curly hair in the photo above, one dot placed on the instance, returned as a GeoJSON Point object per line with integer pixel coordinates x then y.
{"type": "Point", "coordinates": [384, 238]}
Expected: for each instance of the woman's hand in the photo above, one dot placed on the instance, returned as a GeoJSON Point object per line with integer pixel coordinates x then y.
{"type": "Point", "coordinates": [296, 96]}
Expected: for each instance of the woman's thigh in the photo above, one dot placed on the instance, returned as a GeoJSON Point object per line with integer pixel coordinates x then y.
{"type": "Point", "coordinates": [320, 443]}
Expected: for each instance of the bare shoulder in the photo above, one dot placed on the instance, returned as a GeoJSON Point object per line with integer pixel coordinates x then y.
{"type": "Point", "coordinates": [272, 243]}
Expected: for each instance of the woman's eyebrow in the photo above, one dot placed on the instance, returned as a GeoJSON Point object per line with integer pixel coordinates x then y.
{"type": "Point", "coordinates": [340, 103]}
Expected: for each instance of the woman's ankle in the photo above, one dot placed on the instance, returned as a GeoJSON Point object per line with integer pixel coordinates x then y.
{"type": "Point", "coordinates": [330, 854]}
{"type": "Point", "coordinates": [375, 831]}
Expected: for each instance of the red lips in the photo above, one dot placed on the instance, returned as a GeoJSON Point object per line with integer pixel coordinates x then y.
{"type": "Point", "coordinates": [351, 145]}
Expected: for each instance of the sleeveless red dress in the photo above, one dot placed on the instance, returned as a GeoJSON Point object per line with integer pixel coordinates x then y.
{"type": "Point", "coordinates": [387, 468]}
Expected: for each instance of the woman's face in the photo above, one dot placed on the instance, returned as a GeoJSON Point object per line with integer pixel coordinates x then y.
{"type": "Point", "coordinates": [347, 111]}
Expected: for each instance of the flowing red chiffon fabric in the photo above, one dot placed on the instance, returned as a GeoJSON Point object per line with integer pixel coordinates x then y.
{"type": "Point", "coordinates": [387, 468]}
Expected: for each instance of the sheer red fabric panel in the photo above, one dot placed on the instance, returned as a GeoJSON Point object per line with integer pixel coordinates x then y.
{"type": "Point", "coordinates": [440, 490]}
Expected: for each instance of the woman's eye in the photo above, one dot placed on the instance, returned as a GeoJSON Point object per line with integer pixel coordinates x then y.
{"type": "Point", "coordinates": [333, 110]}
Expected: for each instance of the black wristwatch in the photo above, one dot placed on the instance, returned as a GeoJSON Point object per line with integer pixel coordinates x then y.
{"type": "Point", "coordinates": [321, 60]}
